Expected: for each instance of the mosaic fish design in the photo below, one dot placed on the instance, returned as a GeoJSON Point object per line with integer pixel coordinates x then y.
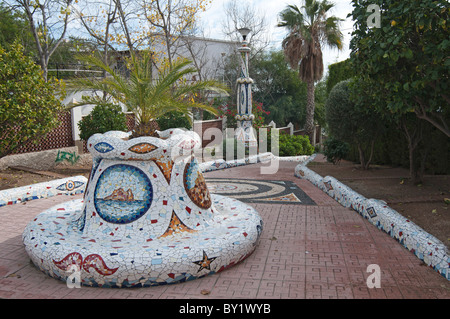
{"type": "Point", "coordinates": [69, 185]}
{"type": "Point", "coordinates": [103, 147]}
{"type": "Point", "coordinates": [142, 148]}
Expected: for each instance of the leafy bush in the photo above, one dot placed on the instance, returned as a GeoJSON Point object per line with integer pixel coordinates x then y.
{"type": "Point", "coordinates": [356, 125]}
{"type": "Point", "coordinates": [103, 118]}
{"type": "Point", "coordinates": [294, 145]}
{"type": "Point", "coordinates": [236, 144]}
{"type": "Point", "coordinates": [335, 150]}
{"type": "Point", "coordinates": [173, 120]}
{"type": "Point", "coordinates": [28, 106]}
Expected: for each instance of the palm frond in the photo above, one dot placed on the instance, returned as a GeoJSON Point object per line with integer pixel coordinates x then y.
{"type": "Point", "coordinates": [148, 97]}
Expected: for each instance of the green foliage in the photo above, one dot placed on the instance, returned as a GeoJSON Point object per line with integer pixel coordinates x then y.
{"type": "Point", "coordinates": [173, 120]}
{"type": "Point", "coordinates": [294, 145]}
{"type": "Point", "coordinates": [103, 118]}
{"type": "Point", "coordinates": [28, 106]}
{"type": "Point", "coordinates": [14, 27]}
{"type": "Point", "coordinates": [346, 121]}
{"type": "Point", "coordinates": [320, 98]}
{"type": "Point", "coordinates": [148, 98]}
{"type": "Point", "coordinates": [350, 123]}
{"type": "Point", "coordinates": [335, 150]}
{"type": "Point", "coordinates": [405, 63]}
{"type": "Point", "coordinates": [279, 89]}
{"type": "Point", "coordinates": [338, 72]}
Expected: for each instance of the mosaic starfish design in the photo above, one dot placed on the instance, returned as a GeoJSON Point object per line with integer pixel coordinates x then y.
{"type": "Point", "coordinates": [204, 263]}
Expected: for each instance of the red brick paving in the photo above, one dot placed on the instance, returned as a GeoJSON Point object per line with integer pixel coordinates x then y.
{"type": "Point", "coordinates": [305, 252]}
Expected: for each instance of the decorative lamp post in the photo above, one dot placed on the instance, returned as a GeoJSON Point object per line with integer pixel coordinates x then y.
{"type": "Point", "coordinates": [244, 130]}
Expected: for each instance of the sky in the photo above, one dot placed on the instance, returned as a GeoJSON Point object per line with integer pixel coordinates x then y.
{"type": "Point", "coordinates": [212, 19]}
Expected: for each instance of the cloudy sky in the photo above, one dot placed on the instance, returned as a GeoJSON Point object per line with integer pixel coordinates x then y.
{"type": "Point", "coordinates": [213, 17]}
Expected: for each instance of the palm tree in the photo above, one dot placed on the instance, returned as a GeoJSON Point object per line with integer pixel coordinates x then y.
{"type": "Point", "coordinates": [147, 97]}
{"type": "Point", "coordinates": [309, 29]}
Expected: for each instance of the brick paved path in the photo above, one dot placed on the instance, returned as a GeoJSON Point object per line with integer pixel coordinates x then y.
{"type": "Point", "coordinates": [319, 251]}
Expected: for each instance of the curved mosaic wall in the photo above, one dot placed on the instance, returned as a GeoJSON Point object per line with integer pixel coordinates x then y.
{"type": "Point", "coordinates": [65, 186]}
{"type": "Point", "coordinates": [425, 246]}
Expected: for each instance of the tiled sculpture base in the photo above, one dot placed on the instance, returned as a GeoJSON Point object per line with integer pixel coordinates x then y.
{"type": "Point", "coordinates": [147, 218]}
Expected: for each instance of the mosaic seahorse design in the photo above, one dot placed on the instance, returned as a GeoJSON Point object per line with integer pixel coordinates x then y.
{"type": "Point", "coordinates": [95, 261]}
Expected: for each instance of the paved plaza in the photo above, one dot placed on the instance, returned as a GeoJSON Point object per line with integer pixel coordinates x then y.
{"type": "Point", "coordinates": [311, 247]}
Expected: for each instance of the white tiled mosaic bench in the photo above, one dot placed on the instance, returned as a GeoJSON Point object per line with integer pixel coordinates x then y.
{"type": "Point", "coordinates": [425, 246]}
{"type": "Point", "coordinates": [147, 218]}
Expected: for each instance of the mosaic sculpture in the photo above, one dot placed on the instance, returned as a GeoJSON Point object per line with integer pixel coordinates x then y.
{"type": "Point", "coordinates": [244, 117]}
{"type": "Point", "coordinates": [147, 218]}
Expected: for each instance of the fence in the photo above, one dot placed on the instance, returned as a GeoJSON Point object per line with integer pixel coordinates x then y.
{"type": "Point", "coordinates": [59, 137]}
{"type": "Point", "coordinates": [289, 129]}
{"type": "Point", "coordinates": [65, 134]}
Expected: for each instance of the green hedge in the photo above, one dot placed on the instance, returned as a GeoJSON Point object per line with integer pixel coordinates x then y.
{"type": "Point", "coordinates": [103, 118]}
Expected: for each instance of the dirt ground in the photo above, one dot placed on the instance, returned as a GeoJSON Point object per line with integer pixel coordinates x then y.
{"type": "Point", "coordinates": [423, 204]}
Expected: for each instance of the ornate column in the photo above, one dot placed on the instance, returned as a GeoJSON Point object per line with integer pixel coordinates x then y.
{"type": "Point", "coordinates": [244, 130]}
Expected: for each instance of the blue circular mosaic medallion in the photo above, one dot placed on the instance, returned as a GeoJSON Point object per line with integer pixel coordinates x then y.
{"type": "Point", "coordinates": [123, 194]}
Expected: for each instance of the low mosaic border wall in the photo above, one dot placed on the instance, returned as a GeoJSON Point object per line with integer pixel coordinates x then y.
{"type": "Point", "coordinates": [259, 158]}
{"type": "Point", "coordinates": [64, 186]}
{"type": "Point", "coordinates": [426, 247]}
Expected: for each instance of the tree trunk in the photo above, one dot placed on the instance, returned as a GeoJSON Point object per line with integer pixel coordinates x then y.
{"type": "Point", "coordinates": [309, 124]}
{"type": "Point", "coordinates": [361, 156]}
{"type": "Point", "coordinates": [413, 138]}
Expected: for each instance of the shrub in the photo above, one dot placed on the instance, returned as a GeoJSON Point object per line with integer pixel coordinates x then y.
{"type": "Point", "coordinates": [173, 120]}
{"type": "Point", "coordinates": [28, 106]}
{"type": "Point", "coordinates": [335, 150]}
{"type": "Point", "coordinates": [103, 118]}
{"type": "Point", "coordinates": [347, 122]}
{"type": "Point", "coordinates": [294, 145]}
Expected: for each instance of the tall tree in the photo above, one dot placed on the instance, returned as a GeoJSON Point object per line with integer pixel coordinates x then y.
{"type": "Point", "coordinates": [28, 106]}
{"type": "Point", "coordinates": [168, 21]}
{"type": "Point", "coordinates": [14, 26]}
{"type": "Point", "coordinates": [309, 29]}
{"type": "Point", "coordinates": [405, 60]}
{"type": "Point", "coordinates": [48, 21]}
